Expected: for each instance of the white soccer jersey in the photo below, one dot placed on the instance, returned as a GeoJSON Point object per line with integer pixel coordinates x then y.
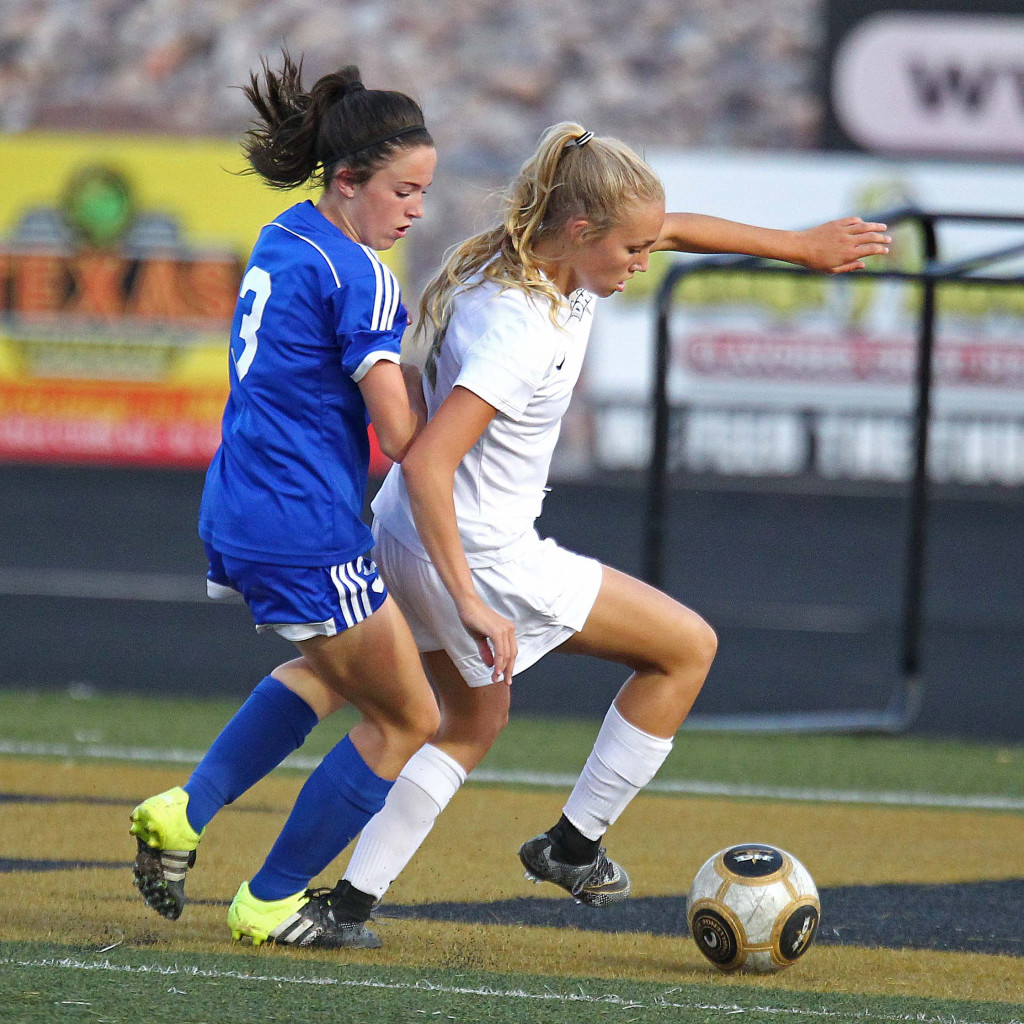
{"type": "Point", "coordinates": [502, 346]}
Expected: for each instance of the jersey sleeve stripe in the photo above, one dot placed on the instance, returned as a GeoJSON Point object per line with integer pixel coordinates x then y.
{"type": "Point", "coordinates": [337, 280]}
{"type": "Point", "coordinates": [378, 297]}
{"type": "Point", "coordinates": [395, 294]}
{"type": "Point", "coordinates": [378, 292]}
{"type": "Point", "coordinates": [388, 296]}
{"type": "Point", "coordinates": [389, 290]}
{"type": "Point", "coordinates": [371, 360]}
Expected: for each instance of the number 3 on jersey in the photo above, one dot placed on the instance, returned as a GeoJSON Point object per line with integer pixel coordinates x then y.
{"type": "Point", "coordinates": [256, 281]}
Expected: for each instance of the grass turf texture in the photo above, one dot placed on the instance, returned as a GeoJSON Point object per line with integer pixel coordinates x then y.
{"type": "Point", "coordinates": [42, 983]}
{"type": "Point", "coordinates": [830, 762]}
{"type": "Point", "coordinates": [471, 857]}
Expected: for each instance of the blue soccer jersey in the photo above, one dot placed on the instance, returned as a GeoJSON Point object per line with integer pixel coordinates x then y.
{"type": "Point", "coordinates": [316, 311]}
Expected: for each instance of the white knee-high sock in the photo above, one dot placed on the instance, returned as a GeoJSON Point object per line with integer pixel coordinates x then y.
{"type": "Point", "coordinates": [623, 761]}
{"type": "Point", "coordinates": [388, 841]}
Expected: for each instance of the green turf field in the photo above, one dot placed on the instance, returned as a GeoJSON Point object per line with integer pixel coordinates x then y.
{"type": "Point", "coordinates": [546, 745]}
{"type": "Point", "coordinates": [45, 983]}
{"type": "Point", "coordinates": [77, 944]}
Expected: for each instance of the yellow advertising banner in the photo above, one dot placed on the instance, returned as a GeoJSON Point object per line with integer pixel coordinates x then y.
{"type": "Point", "coordinates": [120, 263]}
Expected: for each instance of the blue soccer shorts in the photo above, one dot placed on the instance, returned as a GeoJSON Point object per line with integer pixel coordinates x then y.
{"type": "Point", "coordinates": [296, 601]}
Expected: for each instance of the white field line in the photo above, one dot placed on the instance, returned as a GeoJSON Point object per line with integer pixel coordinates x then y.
{"type": "Point", "coordinates": [554, 780]}
{"type": "Point", "coordinates": [579, 996]}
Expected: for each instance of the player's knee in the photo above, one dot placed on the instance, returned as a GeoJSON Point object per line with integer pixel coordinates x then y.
{"type": "Point", "coordinates": [690, 648]}
{"type": "Point", "coordinates": [485, 730]}
{"type": "Point", "coordinates": [703, 643]}
{"type": "Point", "coordinates": [423, 723]}
{"type": "Point", "coordinates": [414, 722]}
{"type": "Point", "coordinates": [492, 724]}
{"type": "Point", "coordinates": [477, 728]}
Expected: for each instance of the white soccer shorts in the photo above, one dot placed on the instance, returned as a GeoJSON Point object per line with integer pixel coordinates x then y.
{"type": "Point", "coordinates": [546, 590]}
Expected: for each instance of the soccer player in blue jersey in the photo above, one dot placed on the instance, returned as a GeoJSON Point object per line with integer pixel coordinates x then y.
{"type": "Point", "coordinates": [314, 352]}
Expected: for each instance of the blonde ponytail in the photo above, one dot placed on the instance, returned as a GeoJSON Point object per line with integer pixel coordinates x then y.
{"type": "Point", "coordinates": [572, 175]}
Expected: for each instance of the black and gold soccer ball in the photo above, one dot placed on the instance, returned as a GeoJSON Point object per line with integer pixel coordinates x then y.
{"type": "Point", "coordinates": [753, 907]}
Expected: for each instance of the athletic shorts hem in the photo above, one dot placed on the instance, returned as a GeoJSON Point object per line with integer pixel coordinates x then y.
{"type": "Point", "coordinates": [298, 602]}
{"type": "Point", "coordinates": [547, 591]}
{"type": "Point", "coordinates": [298, 631]}
{"type": "Point", "coordinates": [531, 649]}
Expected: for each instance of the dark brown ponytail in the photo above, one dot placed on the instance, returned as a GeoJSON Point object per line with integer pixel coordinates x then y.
{"type": "Point", "coordinates": [303, 135]}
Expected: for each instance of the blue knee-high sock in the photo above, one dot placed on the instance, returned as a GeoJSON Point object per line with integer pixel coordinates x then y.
{"type": "Point", "coordinates": [338, 799]}
{"type": "Point", "coordinates": [269, 726]}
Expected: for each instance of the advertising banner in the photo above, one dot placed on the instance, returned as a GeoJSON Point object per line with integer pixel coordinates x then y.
{"type": "Point", "coordinates": [926, 77]}
{"type": "Point", "coordinates": [781, 374]}
{"type": "Point", "coordinates": [120, 263]}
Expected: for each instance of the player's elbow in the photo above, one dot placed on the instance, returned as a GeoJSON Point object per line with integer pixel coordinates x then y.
{"type": "Point", "coordinates": [396, 446]}
{"type": "Point", "coordinates": [414, 463]}
{"type": "Point", "coordinates": [396, 437]}
{"type": "Point", "coordinates": [424, 473]}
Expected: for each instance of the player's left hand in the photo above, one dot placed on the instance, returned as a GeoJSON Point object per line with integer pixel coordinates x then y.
{"type": "Point", "coordinates": [840, 245]}
{"type": "Point", "coordinates": [495, 637]}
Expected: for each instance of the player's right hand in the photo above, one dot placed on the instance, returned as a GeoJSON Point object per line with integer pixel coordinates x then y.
{"type": "Point", "coordinates": [495, 638]}
{"type": "Point", "coordinates": [840, 245]}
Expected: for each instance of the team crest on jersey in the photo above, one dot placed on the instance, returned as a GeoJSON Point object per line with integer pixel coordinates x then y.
{"type": "Point", "coordinates": [580, 301]}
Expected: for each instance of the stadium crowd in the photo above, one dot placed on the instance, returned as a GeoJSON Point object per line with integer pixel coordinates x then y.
{"type": "Point", "coordinates": [490, 74]}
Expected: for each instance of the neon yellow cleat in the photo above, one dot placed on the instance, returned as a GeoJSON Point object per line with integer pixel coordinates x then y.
{"type": "Point", "coordinates": [166, 850]}
{"type": "Point", "coordinates": [305, 919]}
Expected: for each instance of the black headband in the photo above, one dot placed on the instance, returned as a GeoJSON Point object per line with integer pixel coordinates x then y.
{"type": "Point", "coordinates": [376, 142]}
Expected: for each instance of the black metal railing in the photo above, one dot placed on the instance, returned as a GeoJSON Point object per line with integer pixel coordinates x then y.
{"type": "Point", "coordinates": [906, 697]}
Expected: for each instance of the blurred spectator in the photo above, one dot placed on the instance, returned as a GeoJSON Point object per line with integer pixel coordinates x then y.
{"type": "Point", "coordinates": [491, 74]}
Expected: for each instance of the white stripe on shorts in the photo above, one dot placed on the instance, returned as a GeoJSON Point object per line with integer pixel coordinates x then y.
{"type": "Point", "coordinates": [343, 588]}
{"type": "Point", "coordinates": [360, 582]}
{"type": "Point", "coordinates": [352, 596]}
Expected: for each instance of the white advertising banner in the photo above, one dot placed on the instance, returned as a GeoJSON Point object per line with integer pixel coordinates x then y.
{"type": "Point", "coordinates": [919, 82]}
{"type": "Point", "coordinates": [781, 374]}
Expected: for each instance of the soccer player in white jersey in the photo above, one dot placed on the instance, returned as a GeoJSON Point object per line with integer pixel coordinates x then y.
{"type": "Point", "coordinates": [454, 524]}
{"type": "Point", "coordinates": [314, 350]}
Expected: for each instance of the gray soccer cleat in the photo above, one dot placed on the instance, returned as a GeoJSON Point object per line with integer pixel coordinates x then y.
{"type": "Point", "coordinates": [597, 884]}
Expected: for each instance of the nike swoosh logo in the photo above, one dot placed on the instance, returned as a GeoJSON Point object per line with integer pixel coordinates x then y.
{"type": "Point", "coordinates": [561, 364]}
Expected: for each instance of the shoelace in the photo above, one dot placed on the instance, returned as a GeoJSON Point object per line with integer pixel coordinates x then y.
{"type": "Point", "coordinates": [317, 894]}
{"type": "Point", "coordinates": [603, 870]}
{"type": "Point", "coordinates": [332, 900]}
{"type": "Point", "coordinates": [329, 896]}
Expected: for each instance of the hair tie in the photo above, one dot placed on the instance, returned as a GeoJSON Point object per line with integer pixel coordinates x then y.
{"type": "Point", "coordinates": [356, 86]}
{"type": "Point", "coordinates": [580, 141]}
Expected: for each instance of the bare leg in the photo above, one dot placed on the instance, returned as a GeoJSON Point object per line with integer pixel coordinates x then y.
{"type": "Point", "coordinates": [669, 648]}
{"type": "Point", "coordinates": [298, 675]}
{"type": "Point", "coordinates": [471, 718]}
{"type": "Point", "coordinates": [375, 667]}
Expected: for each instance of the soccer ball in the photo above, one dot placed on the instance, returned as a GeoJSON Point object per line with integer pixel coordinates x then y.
{"type": "Point", "coordinates": [753, 907]}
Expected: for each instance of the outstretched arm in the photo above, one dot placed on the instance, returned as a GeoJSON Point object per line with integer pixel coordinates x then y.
{"type": "Point", "coordinates": [836, 247]}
